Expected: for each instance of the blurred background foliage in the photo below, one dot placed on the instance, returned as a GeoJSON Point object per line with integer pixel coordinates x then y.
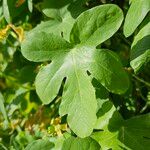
{"type": "Point", "coordinates": [26, 119]}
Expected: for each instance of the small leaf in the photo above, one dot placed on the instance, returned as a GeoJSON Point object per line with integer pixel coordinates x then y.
{"type": "Point", "coordinates": [135, 15]}
{"type": "Point", "coordinates": [73, 143]}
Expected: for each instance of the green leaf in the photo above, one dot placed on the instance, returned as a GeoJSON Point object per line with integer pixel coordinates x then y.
{"type": "Point", "coordinates": [96, 25]}
{"type": "Point", "coordinates": [78, 99]}
{"type": "Point", "coordinates": [104, 114]}
{"type": "Point", "coordinates": [27, 74]}
{"type": "Point", "coordinates": [140, 52]}
{"type": "Point", "coordinates": [102, 94]}
{"type": "Point", "coordinates": [11, 10]}
{"type": "Point", "coordinates": [56, 27]}
{"type": "Point", "coordinates": [2, 107]}
{"type": "Point", "coordinates": [44, 47]}
{"type": "Point", "coordinates": [105, 68]}
{"type": "Point", "coordinates": [73, 143]}
{"type": "Point", "coordinates": [81, 105]}
{"type": "Point", "coordinates": [30, 5]}
{"type": "Point", "coordinates": [63, 14]}
{"type": "Point", "coordinates": [72, 62]}
{"type": "Point", "coordinates": [54, 9]}
{"type": "Point", "coordinates": [58, 142]}
{"type": "Point", "coordinates": [135, 15]}
{"type": "Point", "coordinates": [42, 144]}
{"type": "Point", "coordinates": [125, 134]}
{"type": "Point", "coordinates": [6, 12]}
{"type": "Point", "coordinates": [51, 26]}
{"type": "Point", "coordinates": [60, 9]}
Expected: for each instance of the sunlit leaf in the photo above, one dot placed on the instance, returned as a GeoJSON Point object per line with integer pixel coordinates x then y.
{"type": "Point", "coordinates": [135, 15]}
{"type": "Point", "coordinates": [73, 60]}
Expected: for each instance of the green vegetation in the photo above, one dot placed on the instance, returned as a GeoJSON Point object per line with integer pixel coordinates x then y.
{"type": "Point", "coordinates": [74, 75]}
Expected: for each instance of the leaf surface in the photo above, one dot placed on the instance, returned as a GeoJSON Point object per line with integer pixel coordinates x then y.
{"type": "Point", "coordinates": [72, 61]}
{"type": "Point", "coordinates": [121, 134]}
{"type": "Point", "coordinates": [44, 47]}
{"type": "Point", "coordinates": [96, 25]}
{"type": "Point", "coordinates": [105, 68]}
{"type": "Point", "coordinates": [12, 9]}
{"type": "Point", "coordinates": [135, 15]}
{"type": "Point", "coordinates": [73, 143]}
{"type": "Point", "coordinates": [62, 16]}
{"type": "Point", "coordinates": [42, 144]}
{"type": "Point", "coordinates": [140, 52]}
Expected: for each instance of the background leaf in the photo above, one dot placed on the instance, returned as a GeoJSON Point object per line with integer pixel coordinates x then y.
{"type": "Point", "coordinates": [136, 13]}
{"type": "Point", "coordinates": [30, 5]}
{"type": "Point", "coordinates": [62, 15]}
{"type": "Point", "coordinates": [128, 134]}
{"type": "Point", "coordinates": [73, 143]}
{"type": "Point", "coordinates": [43, 144]}
{"type": "Point", "coordinates": [6, 11]}
{"type": "Point", "coordinates": [2, 107]}
{"type": "Point", "coordinates": [12, 9]}
{"type": "Point", "coordinates": [140, 52]}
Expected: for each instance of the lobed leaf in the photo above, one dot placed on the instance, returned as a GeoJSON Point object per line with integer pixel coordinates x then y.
{"type": "Point", "coordinates": [72, 61]}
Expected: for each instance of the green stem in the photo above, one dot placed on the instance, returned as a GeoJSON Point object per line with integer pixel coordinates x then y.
{"type": "Point", "coordinates": [144, 108]}
{"type": "Point", "coordinates": [124, 39]}
{"type": "Point", "coordinates": [141, 80]}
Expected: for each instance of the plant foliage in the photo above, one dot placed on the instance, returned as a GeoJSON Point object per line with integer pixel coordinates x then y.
{"type": "Point", "coordinates": [74, 74]}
